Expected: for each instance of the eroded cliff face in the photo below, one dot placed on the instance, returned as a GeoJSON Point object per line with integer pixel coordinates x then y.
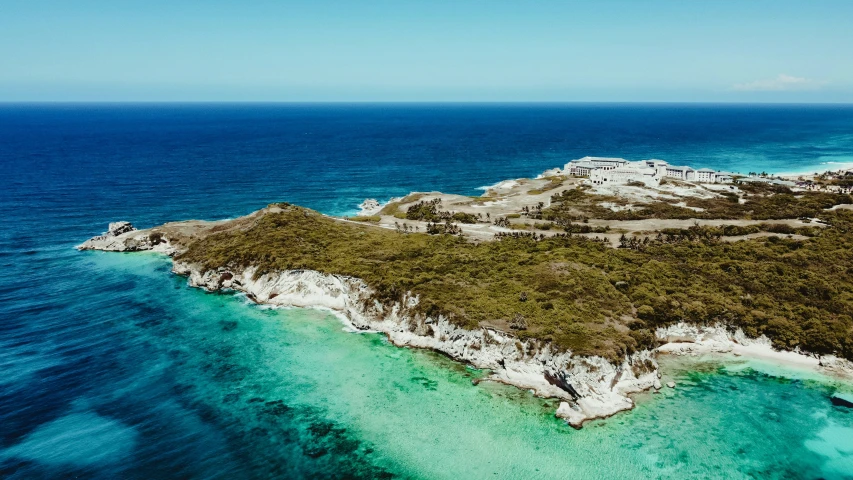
{"type": "Point", "coordinates": [689, 339]}
{"type": "Point", "coordinates": [590, 387]}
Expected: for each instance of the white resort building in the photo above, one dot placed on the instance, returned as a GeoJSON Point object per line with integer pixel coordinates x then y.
{"type": "Point", "coordinates": [579, 168]}
{"type": "Point", "coordinates": [603, 170]}
{"type": "Point", "coordinates": [682, 173]}
{"type": "Point", "coordinates": [630, 172]}
{"type": "Point", "coordinates": [584, 166]}
{"type": "Point", "coordinates": [706, 175]}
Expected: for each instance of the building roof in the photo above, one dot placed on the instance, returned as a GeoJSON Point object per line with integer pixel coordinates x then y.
{"type": "Point", "coordinates": [706, 170]}
{"type": "Point", "coordinates": [581, 163]}
{"type": "Point", "coordinates": [601, 159]}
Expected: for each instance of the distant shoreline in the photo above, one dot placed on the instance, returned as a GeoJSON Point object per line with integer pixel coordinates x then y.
{"type": "Point", "coordinates": [811, 173]}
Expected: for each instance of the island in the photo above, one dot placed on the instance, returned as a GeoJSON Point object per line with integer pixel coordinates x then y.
{"type": "Point", "coordinates": [569, 284]}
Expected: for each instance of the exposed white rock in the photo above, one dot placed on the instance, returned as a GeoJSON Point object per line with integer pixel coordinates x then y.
{"type": "Point", "coordinates": [124, 237]}
{"type": "Point", "coordinates": [670, 384]}
{"type": "Point", "coordinates": [117, 228]}
{"type": "Point", "coordinates": [502, 186]}
{"type": "Point", "coordinates": [686, 339]}
{"type": "Point", "coordinates": [594, 388]}
{"type": "Point", "coordinates": [551, 172]}
{"type": "Point", "coordinates": [370, 206]}
{"type": "Point", "coordinates": [589, 387]}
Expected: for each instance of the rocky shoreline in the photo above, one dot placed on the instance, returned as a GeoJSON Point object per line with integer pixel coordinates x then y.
{"type": "Point", "coordinates": [588, 387]}
{"type": "Point", "coordinates": [694, 340]}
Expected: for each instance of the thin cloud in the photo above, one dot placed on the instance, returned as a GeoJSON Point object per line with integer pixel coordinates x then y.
{"type": "Point", "coordinates": [782, 83]}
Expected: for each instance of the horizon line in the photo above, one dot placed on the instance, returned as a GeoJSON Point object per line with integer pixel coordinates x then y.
{"type": "Point", "coordinates": [401, 102]}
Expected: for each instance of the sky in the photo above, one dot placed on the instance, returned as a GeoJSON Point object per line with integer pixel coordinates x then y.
{"type": "Point", "coordinates": [426, 51]}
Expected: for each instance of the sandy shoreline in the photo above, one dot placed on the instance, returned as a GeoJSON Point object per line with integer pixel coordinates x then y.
{"type": "Point", "coordinates": [825, 168]}
{"type": "Point", "coordinates": [689, 340]}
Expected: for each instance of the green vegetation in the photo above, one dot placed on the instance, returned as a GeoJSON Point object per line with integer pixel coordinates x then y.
{"type": "Point", "coordinates": [764, 203]}
{"type": "Point", "coordinates": [798, 293]}
{"type": "Point", "coordinates": [583, 228]}
{"type": "Point", "coordinates": [393, 208]}
{"type": "Point", "coordinates": [576, 293]}
{"type": "Point", "coordinates": [840, 179]}
{"type": "Point", "coordinates": [390, 208]}
{"type": "Point", "coordinates": [553, 182]}
{"type": "Point", "coordinates": [697, 232]}
{"type": "Point", "coordinates": [371, 218]}
{"type": "Point", "coordinates": [430, 212]}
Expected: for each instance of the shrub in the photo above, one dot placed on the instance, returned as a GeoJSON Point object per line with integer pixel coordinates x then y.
{"type": "Point", "coordinates": [796, 292]}
{"type": "Point", "coordinates": [371, 218]}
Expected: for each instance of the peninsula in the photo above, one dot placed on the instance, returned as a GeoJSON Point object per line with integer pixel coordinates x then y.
{"type": "Point", "coordinates": [569, 284]}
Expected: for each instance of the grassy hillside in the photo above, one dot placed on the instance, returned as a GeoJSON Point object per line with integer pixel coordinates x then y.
{"type": "Point", "coordinates": [577, 294]}
{"type": "Point", "coordinates": [760, 203]}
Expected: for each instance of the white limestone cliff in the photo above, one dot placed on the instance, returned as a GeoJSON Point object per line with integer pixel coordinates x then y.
{"type": "Point", "coordinates": [589, 387]}
{"type": "Point", "coordinates": [687, 339]}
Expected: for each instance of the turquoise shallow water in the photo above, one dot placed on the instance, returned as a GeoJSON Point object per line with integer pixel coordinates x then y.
{"type": "Point", "coordinates": [289, 392]}
{"type": "Point", "coordinates": [111, 367]}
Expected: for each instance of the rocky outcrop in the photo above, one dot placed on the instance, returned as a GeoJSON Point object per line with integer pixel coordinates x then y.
{"type": "Point", "coordinates": [683, 338]}
{"type": "Point", "coordinates": [370, 206]}
{"type": "Point", "coordinates": [842, 400]}
{"type": "Point", "coordinates": [124, 237]}
{"type": "Point", "coordinates": [551, 172]}
{"type": "Point", "coordinates": [117, 228]}
{"type": "Point", "coordinates": [589, 387]}
{"type": "Point", "coordinates": [687, 339]}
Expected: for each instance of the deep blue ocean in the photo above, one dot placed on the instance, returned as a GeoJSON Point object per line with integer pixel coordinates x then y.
{"type": "Point", "coordinates": [111, 367]}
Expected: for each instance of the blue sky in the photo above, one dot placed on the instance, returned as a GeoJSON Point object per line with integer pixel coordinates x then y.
{"type": "Point", "coordinates": [316, 50]}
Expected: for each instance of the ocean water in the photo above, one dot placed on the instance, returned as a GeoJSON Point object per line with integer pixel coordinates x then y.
{"type": "Point", "coordinates": [111, 367]}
